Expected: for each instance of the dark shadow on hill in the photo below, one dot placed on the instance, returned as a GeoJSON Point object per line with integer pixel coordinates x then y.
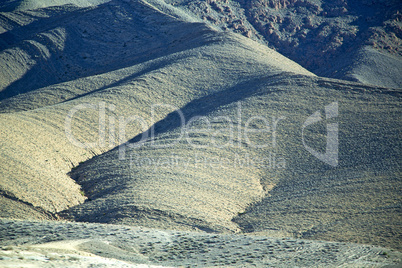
{"type": "Point", "coordinates": [94, 45]}
{"type": "Point", "coordinates": [308, 189]}
{"type": "Point", "coordinates": [161, 63]}
{"type": "Point", "coordinates": [205, 105]}
{"type": "Point", "coordinates": [319, 35]}
{"type": "Point", "coordinates": [198, 107]}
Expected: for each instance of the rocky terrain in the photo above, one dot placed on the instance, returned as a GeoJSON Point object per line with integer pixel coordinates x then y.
{"type": "Point", "coordinates": [340, 39]}
{"type": "Point", "coordinates": [200, 133]}
{"type": "Point", "coordinates": [61, 244]}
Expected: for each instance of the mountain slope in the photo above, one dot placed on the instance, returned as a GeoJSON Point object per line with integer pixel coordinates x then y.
{"type": "Point", "coordinates": [280, 188]}
{"type": "Point", "coordinates": [38, 150]}
{"type": "Point", "coordinates": [59, 44]}
{"type": "Point", "coordinates": [231, 136]}
{"type": "Point", "coordinates": [326, 37]}
{"type": "Point", "coordinates": [22, 5]}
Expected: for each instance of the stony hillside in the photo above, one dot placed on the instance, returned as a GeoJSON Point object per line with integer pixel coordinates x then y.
{"type": "Point", "coordinates": [340, 39]}
{"type": "Point", "coordinates": [178, 72]}
{"type": "Point", "coordinates": [233, 117]}
{"type": "Point", "coordinates": [66, 244]}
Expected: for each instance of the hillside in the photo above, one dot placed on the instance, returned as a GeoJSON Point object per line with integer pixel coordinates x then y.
{"type": "Point", "coordinates": [24, 5]}
{"type": "Point", "coordinates": [50, 154]}
{"type": "Point", "coordinates": [142, 113]}
{"type": "Point", "coordinates": [298, 195]}
{"type": "Point", "coordinates": [63, 244]}
{"type": "Point", "coordinates": [339, 39]}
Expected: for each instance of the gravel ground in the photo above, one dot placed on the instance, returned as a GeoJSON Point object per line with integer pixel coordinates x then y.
{"type": "Point", "coordinates": [56, 244]}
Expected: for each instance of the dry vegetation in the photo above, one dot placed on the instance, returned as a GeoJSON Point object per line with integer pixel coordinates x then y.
{"type": "Point", "coordinates": [44, 244]}
{"type": "Point", "coordinates": [123, 57]}
{"type": "Point", "coordinates": [326, 37]}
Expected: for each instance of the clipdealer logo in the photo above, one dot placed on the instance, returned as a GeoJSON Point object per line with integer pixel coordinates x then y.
{"type": "Point", "coordinates": [332, 140]}
{"type": "Point", "coordinates": [116, 128]}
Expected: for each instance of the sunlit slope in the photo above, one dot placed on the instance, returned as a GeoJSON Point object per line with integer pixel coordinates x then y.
{"type": "Point", "coordinates": [46, 46]}
{"type": "Point", "coordinates": [377, 67]}
{"type": "Point", "coordinates": [20, 5]}
{"type": "Point", "coordinates": [37, 152]}
{"type": "Point", "coordinates": [352, 40]}
{"type": "Point", "coordinates": [216, 172]}
{"type": "Point", "coordinates": [357, 201]}
{"type": "Point", "coordinates": [118, 71]}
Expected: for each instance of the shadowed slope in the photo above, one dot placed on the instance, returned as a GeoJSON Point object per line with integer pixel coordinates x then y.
{"type": "Point", "coordinates": [372, 66]}
{"type": "Point", "coordinates": [216, 174]}
{"type": "Point", "coordinates": [53, 46]}
{"type": "Point", "coordinates": [37, 151]}
{"type": "Point", "coordinates": [219, 182]}
{"type": "Point", "coordinates": [338, 39]}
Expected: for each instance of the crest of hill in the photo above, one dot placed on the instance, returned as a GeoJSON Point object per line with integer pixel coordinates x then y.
{"type": "Point", "coordinates": [202, 72]}
{"type": "Point", "coordinates": [342, 39]}
{"type": "Point", "coordinates": [203, 184]}
{"type": "Point", "coordinates": [55, 46]}
{"type": "Point", "coordinates": [194, 62]}
{"type": "Point", "coordinates": [22, 5]}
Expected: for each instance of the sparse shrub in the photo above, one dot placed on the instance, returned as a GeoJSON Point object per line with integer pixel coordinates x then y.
{"type": "Point", "coordinates": [385, 254]}
{"type": "Point", "coordinates": [241, 213]}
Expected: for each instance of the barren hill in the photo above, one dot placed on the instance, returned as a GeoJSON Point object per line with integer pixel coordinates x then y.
{"type": "Point", "coordinates": [23, 5]}
{"type": "Point", "coordinates": [177, 78]}
{"type": "Point", "coordinates": [141, 113]}
{"type": "Point", "coordinates": [353, 40]}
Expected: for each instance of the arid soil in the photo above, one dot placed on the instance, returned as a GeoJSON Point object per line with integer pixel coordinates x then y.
{"type": "Point", "coordinates": [200, 133]}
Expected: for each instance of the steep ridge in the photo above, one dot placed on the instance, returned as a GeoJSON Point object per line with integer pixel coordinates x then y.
{"type": "Point", "coordinates": [329, 38]}
{"type": "Point", "coordinates": [214, 172]}
{"type": "Point", "coordinates": [38, 151]}
{"type": "Point", "coordinates": [55, 46]}
{"type": "Point", "coordinates": [162, 86]}
{"type": "Point", "coordinates": [21, 5]}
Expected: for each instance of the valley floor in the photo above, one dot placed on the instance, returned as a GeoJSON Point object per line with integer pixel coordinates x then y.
{"type": "Point", "coordinates": [62, 244]}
